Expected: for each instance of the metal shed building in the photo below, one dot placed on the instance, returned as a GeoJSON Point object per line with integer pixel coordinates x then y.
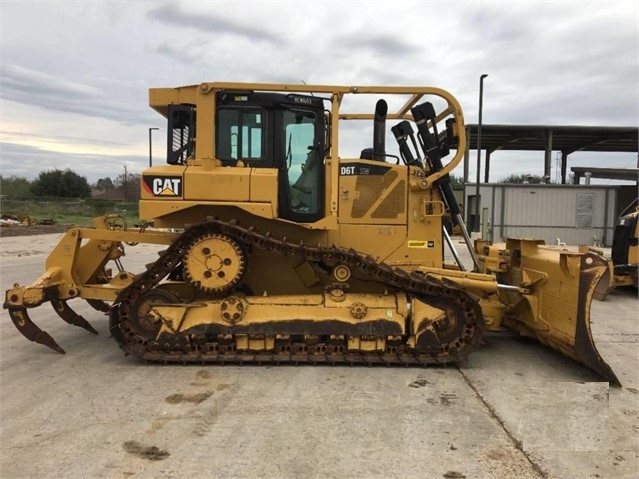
{"type": "Point", "coordinates": [574, 214]}
{"type": "Point", "coordinates": [571, 213]}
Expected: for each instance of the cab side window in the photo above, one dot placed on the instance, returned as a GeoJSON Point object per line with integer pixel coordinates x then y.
{"type": "Point", "coordinates": [240, 135]}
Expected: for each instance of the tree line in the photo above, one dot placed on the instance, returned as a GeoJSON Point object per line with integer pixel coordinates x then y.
{"type": "Point", "coordinates": [68, 184]}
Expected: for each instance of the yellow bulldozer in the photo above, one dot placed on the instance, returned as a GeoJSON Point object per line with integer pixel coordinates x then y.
{"type": "Point", "coordinates": [625, 247]}
{"type": "Point", "coordinates": [279, 250]}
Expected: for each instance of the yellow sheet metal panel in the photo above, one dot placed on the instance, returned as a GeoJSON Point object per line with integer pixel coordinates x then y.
{"type": "Point", "coordinates": [371, 192]}
{"type": "Point", "coordinates": [220, 184]}
{"type": "Point", "coordinates": [380, 241]}
{"type": "Point", "coordinates": [263, 186]}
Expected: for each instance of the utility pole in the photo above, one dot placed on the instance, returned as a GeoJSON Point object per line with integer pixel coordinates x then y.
{"type": "Point", "coordinates": [477, 225]}
{"type": "Point", "coordinates": [125, 183]}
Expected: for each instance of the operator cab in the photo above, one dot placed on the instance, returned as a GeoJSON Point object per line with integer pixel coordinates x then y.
{"type": "Point", "coordinates": [265, 130]}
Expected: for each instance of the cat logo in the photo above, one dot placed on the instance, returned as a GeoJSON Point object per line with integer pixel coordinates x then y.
{"type": "Point", "coordinates": [163, 185]}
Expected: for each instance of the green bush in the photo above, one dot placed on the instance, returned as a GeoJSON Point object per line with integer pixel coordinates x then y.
{"type": "Point", "coordinates": [15, 187]}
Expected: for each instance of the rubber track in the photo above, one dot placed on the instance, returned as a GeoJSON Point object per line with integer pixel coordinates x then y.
{"type": "Point", "coordinates": [183, 351]}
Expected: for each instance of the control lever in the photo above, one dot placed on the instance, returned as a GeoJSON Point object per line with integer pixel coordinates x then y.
{"type": "Point", "coordinates": [422, 114]}
{"type": "Point", "coordinates": [402, 131]}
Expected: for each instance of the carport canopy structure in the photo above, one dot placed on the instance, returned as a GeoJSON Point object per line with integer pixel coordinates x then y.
{"type": "Point", "coordinates": [565, 139]}
{"type": "Point", "coordinates": [626, 174]}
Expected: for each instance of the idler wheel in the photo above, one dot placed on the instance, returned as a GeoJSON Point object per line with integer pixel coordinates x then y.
{"type": "Point", "coordinates": [449, 334]}
{"type": "Point", "coordinates": [145, 322]}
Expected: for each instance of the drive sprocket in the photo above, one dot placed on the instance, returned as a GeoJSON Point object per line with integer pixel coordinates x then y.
{"type": "Point", "coordinates": [214, 263]}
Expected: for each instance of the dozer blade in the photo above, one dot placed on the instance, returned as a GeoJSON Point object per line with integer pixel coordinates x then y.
{"type": "Point", "coordinates": [70, 316]}
{"type": "Point", "coordinates": [29, 330]}
{"type": "Point", "coordinates": [607, 282]}
{"type": "Point", "coordinates": [553, 305]}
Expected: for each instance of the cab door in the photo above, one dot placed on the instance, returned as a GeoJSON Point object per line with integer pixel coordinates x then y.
{"type": "Point", "coordinates": [301, 169]}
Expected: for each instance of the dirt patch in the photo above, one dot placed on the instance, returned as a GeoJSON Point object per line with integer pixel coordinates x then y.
{"type": "Point", "coordinates": [152, 453]}
{"type": "Point", "coordinates": [194, 398]}
{"type": "Point", "coordinates": [23, 230]}
{"type": "Point", "coordinates": [420, 383]}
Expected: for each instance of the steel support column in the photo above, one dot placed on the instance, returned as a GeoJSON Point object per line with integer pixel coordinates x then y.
{"type": "Point", "coordinates": [548, 157]}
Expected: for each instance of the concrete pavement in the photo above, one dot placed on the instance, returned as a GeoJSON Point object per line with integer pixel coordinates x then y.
{"type": "Point", "coordinates": [513, 409]}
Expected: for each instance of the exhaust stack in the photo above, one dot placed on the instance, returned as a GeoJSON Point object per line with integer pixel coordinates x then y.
{"type": "Point", "coordinates": [379, 130]}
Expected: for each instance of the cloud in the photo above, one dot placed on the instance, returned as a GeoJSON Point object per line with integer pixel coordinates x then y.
{"type": "Point", "coordinates": [172, 14]}
{"type": "Point", "coordinates": [182, 55]}
{"type": "Point", "coordinates": [28, 162]}
{"type": "Point", "coordinates": [383, 45]}
{"type": "Point", "coordinates": [16, 137]}
{"type": "Point", "coordinates": [31, 87]}
{"type": "Point", "coordinates": [79, 87]}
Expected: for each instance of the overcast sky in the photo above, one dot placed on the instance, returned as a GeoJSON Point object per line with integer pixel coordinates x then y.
{"type": "Point", "coordinates": [75, 75]}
